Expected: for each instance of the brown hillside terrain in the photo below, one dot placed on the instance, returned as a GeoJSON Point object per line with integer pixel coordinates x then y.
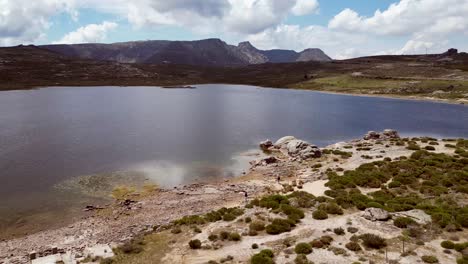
{"type": "Point", "coordinates": [443, 76]}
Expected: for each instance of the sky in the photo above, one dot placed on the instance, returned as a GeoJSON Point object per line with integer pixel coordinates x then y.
{"type": "Point", "coordinates": [341, 28]}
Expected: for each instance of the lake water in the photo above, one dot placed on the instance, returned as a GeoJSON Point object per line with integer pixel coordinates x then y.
{"type": "Point", "coordinates": [175, 136]}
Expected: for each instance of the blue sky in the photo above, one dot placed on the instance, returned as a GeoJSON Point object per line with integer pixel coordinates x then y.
{"type": "Point", "coordinates": [341, 28]}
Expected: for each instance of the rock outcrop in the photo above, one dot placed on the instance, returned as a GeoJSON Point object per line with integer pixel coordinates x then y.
{"type": "Point", "coordinates": [386, 134]}
{"type": "Point", "coordinates": [376, 214]}
{"type": "Point", "coordinates": [293, 147]}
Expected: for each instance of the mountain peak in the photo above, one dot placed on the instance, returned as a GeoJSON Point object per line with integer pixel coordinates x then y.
{"type": "Point", "coordinates": [246, 44]}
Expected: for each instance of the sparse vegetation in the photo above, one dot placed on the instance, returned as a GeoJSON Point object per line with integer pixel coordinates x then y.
{"type": "Point", "coordinates": [195, 244]}
{"type": "Point", "coordinates": [303, 248]}
{"type": "Point", "coordinates": [429, 259]}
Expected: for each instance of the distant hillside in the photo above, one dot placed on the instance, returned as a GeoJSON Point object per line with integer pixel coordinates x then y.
{"type": "Point", "coordinates": [208, 52]}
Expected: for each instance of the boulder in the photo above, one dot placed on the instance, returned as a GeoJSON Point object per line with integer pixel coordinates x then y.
{"type": "Point", "coordinates": [283, 141]}
{"type": "Point", "coordinates": [386, 134]}
{"type": "Point", "coordinates": [390, 133]}
{"type": "Point", "coordinates": [371, 135]}
{"type": "Point", "coordinates": [265, 145]}
{"type": "Point", "coordinates": [376, 214]}
{"type": "Point", "coordinates": [302, 149]}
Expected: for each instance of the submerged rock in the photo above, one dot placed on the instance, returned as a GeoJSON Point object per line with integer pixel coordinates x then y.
{"type": "Point", "coordinates": [376, 214]}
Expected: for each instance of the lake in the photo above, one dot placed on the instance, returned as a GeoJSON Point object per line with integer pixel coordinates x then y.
{"type": "Point", "coordinates": [51, 137]}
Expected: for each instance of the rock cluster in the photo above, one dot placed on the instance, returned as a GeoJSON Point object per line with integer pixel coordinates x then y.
{"type": "Point", "coordinates": [292, 147]}
{"type": "Point", "coordinates": [376, 214]}
{"type": "Point", "coordinates": [386, 134]}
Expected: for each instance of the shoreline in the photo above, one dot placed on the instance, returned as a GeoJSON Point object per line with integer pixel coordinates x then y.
{"type": "Point", "coordinates": [120, 221]}
{"type": "Point", "coordinates": [193, 86]}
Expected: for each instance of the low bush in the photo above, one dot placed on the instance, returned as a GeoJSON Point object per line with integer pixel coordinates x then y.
{"type": "Point", "coordinates": [320, 215]}
{"type": "Point", "coordinates": [373, 241]}
{"type": "Point", "coordinates": [257, 226]}
{"type": "Point", "coordinates": [316, 243]}
{"type": "Point", "coordinates": [353, 246]}
{"type": "Point", "coordinates": [229, 217]}
{"type": "Point", "coordinates": [429, 259]}
{"type": "Point", "coordinates": [429, 148]}
{"type": "Point", "coordinates": [326, 240]}
{"type": "Point", "coordinates": [195, 244]}
{"type": "Point", "coordinates": [461, 246]}
{"type": "Point", "coordinates": [303, 248]}
{"type": "Point", "coordinates": [254, 246]}
{"type": "Point", "coordinates": [339, 231]}
{"type": "Point", "coordinates": [264, 257]}
{"type": "Point", "coordinates": [447, 244]}
{"type": "Point", "coordinates": [213, 237]}
{"type": "Point", "coordinates": [278, 226]}
{"type": "Point", "coordinates": [234, 236]}
{"type": "Point", "coordinates": [403, 222]}
{"type": "Point", "coordinates": [224, 235]}
{"type": "Point", "coordinates": [352, 230]}
{"type": "Point", "coordinates": [413, 147]}
{"type": "Point", "coordinates": [302, 259]}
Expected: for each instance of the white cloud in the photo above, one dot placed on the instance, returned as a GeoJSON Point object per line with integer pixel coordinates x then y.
{"type": "Point", "coordinates": [24, 21]}
{"type": "Point", "coordinates": [92, 33]}
{"type": "Point", "coordinates": [407, 17]}
{"type": "Point", "coordinates": [305, 7]}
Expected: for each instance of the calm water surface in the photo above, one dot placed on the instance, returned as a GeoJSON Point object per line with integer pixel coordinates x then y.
{"type": "Point", "coordinates": [174, 136]}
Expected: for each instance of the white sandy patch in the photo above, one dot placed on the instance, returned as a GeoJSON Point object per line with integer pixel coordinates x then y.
{"type": "Point", "coordinates": [316, 188]}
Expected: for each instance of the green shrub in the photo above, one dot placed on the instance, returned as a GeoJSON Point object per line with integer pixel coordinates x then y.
{"type": "Point", "coordinates": [190, 220]}
{"type": "Point", "coordinates": [352, 229]}
{"type": "Point", "coordinates": [450, 146]}
{"type": "Point", "coordinates": [303, 248]}
{"type": "Point", "coordinates": [413, 147]}
{"type": "Point", "coordinates": [273, 201]}
{"type": "Point", "coordinates": [460, 246]}
{"type": "Point", "coordinates": [293, 213]}
{"type": "Point", "coordinates": [303, 199]}
{"type": "Point", "coordinates": [339, 231]}
{"type": "Point", "coordinates": [234, 236]}
{"type": "Point", "coordinates": [320, 215]}
{"type": "Point", "coordinates": [462, 260]}
{"type": "Point", "coordinates": [229, 217]}
{"type": "Point", "coordinates": [302, 259]}
{"type": "Point", "coordinates": [429, 148]}
{"type": "Point", "coordinates": [403, 222]}
{"type": "Point", "coordinates": [254, 246]}
{"type": "Point", "coordinates": [248, 220]}
{"type": "Point", "coordinates": [333, 208]}
{"type": "Point", "coordinates": [213, 237]}
{"type": "Point", "coordinates": [197, 229]}
{"type": "Point", "coordinates": [264, 257]}
{"type": "Point", "coordinates": [447, 244]}
{"type": "Point", "coordinates": [429, 259]}
{"type": "Point", "coordinates": [353, 246]}
{"type": "Point", "coordinates": [257, 226]}
{"type": "Point", "coordinates": [394, 184]}
{"type": "Point", "coordinates": [462, 219]}
{"type": "Point", "coordinates": [278, 226]}
{"type": "Point", "coordinates": [373, 241]}
{"type": "Point", "coordinates": [195, 244]}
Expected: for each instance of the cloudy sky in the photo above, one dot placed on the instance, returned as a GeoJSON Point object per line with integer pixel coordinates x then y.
{"type": "Point", "coordinates": [342, 28]}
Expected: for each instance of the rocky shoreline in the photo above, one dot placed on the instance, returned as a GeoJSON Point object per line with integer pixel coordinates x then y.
{"type": "Point", "coordinates": [290, 164]}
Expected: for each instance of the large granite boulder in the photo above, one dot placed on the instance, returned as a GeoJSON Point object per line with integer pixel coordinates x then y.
{"type": "Point", "coordinates": [283, 141]}
{"type": "Point", "coordinates": [302, 149]}
{"type": "Point", "coordinates": [376, 214]}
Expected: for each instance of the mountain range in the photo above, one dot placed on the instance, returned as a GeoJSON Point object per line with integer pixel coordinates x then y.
{"type": "Point", "coordinates": [207, 52]}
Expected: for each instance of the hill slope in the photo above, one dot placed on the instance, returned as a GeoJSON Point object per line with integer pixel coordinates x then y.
{"type": "Point", "coordinates": [208, 52]}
